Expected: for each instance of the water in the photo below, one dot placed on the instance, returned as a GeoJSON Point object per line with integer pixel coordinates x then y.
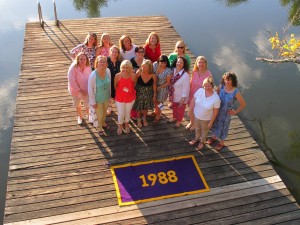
{"type": "Point", "coordinates": [231, 34]}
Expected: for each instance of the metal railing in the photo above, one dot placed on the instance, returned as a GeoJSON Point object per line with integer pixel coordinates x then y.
{"type": "Point", "coordinates": [41, 20]}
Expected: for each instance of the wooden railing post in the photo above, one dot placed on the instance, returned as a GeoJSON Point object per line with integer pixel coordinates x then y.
{"type": "Point", "coordinates": [55, 14]}
{"type": "Point", "coordinates": [40, 15]}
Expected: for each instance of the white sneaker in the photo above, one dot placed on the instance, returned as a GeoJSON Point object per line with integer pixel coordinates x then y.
{"type": "Point", "coordinates": [79, 120]}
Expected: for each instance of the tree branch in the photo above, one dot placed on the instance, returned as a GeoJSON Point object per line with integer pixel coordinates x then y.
{"type": "Point", "coordinates": [279, 60]}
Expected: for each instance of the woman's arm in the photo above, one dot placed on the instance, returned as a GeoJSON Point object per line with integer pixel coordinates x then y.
{"type": "Point", "coordinates": [154, 86]}
{"type": "Point", "coordinates": [214, 116]}
{"type": "Point", "coordinates": [116, 80]}
{"type": "Point", "coordinates": [91, 89]}
{"type": "Point", "coordinates": [242, 103]}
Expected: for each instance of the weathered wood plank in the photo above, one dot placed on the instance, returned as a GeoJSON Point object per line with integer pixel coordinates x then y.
{"type": "Point", "coordinates": [58, 172]}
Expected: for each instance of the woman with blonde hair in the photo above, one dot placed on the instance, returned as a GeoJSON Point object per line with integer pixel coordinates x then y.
{"type": "Point", "coordinates": [99, 91]}
{"type": "Point", "coordinates": [88, 47]}
{"type": "Point", "coordinates": [152, 47]}
{"type": "Point", "coordinates": [199, 74]}
{"type": "Point", "coordinates": [205, 106]}
{"type": "Point", "coordinates": [145, 89]}
{"type": "Point", "coordinates": [78, 75]}
{"type": "Point", "coordinates": [105, 44]}
{"type": "Point", "coordinates": [125, 95]}
{"type": "Point", "coordinates": [180, 50]}
{"type": "Point", "coordinates": [114, 62]}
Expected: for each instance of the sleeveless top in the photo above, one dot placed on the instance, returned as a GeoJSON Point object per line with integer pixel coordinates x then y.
{"type": "Point", "coordinates": [105, 51]}
{"type": "Point", "coordinates": [102, 88]}
{"type": "Point", "coordinates": [125, 91]}
{"type": "Point", "coordinates": [141, 82]}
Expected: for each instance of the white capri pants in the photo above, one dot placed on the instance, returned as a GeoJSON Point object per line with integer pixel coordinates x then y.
{"type": "Point", "coordinates": [124, 111]}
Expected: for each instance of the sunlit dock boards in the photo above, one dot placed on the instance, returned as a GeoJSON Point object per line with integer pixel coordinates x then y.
{"type": "Point", "coordinates": [57, 169]}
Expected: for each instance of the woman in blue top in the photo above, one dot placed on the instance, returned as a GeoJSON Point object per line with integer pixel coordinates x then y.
{"type": "Point", "coordinates": [99, 88]}
{"type": "Point", "coordinates": [228, 93]}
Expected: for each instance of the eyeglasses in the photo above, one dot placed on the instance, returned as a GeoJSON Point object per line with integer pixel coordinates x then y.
{"type": "Point", "coordinates": [162, 61]}
{"type": "Point", "coordinates": [140, 51]}
{"type": "Point", "coordinates": [180, 47]}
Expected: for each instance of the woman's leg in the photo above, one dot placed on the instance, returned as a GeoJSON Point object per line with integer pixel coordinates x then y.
{"type": "Point", "coordinates": [139, 119]}
{"type": "Point", "coordinates": [100, 115]}
{"type": "Point", "coordinates": [180, 114]}
{"type": "Point", "coordinates": [128, 107]}
{"type": "Point", "coordinates": [145, 117]}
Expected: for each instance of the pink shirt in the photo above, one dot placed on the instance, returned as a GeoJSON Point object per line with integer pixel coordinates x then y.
{"type": "Point", "coordinates": [78, 80]}
{"type": "Point", "coordinates": [197, 82]}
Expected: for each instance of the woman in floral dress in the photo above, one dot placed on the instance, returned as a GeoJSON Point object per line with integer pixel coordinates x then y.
{"type": "Point", "coordinates": [145, 89]}
{"type": "Point", "coordinates": [228, 93]}
{"type": "Point", "coordinates": [163, 74]}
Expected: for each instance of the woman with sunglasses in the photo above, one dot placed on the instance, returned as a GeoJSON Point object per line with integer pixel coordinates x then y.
{"type": "Point", "coordinates": [88, 48]}
{"type": "Point", "coordinates": [179, 89]}
{"type": "Point", "coordinates": [138, 59]}
{"type": "Point", "coordinates": [180, 50]}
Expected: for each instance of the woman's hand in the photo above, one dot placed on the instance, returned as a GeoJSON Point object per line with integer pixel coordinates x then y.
{"type": "Point", "coordinates": [95, 106]}
{"type": "Point", "coordinates": [231, 112]}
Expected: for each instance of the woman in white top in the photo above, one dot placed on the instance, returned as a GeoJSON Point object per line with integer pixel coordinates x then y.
{"type": "Point", "coordinates": [127, 48]}
{"type": "Point", "coordinates": [205, 106]}
{"type": "Point", "coordinates": [179, 89]}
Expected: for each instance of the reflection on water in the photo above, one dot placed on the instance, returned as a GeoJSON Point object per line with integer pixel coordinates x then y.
{"type": "Point", "coordinates": [218, 38]}
{"type": "Point", "coordinates": [91, 7]}
{"type": "Point", "coordinates": [7, 104]}
{"type": "Point", "coordinates": [294, 13]}
{"type": "Point", "coordinates": [230, 58]}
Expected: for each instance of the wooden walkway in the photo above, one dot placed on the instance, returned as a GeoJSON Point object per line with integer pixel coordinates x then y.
{"type": "Point", "coordinates": [57, 169]}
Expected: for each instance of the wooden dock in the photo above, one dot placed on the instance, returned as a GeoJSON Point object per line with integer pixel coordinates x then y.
{"type": "Point", "coordinates": [58, 172]}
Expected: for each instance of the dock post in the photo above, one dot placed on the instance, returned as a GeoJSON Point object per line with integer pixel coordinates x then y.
{"type": "Point", "coordinates": [55, 14]}
{"type": "Point", "coordinates": [40, 14]}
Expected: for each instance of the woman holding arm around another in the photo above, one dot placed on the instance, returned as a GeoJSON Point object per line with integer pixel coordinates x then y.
{"type": "Point", "coordinates": [228, 93]}
{"type": "Point", "coordinates": [99, 91]}
{"type": "Point", "coordinates": [205, 106]}
{"type": "Point", "coordinates": [200, 73]}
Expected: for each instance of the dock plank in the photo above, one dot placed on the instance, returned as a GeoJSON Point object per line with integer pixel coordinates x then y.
{"type": "Point", "coordinates": [58, 170]}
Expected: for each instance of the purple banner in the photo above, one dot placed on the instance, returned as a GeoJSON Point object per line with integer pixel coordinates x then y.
{"type": "Point", "coordinates": [158, 179]}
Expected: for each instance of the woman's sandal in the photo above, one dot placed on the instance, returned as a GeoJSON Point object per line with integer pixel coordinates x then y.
{"type": "Point", "coordinates": [139, 123]}
{"type": "Point", "coordinates": [200, 146]}
{"type": "Point", "coordinates": [107, 127]}
{"type": "Point", "coordinates": [192, 142]}
{"type": "Point", "coordinates": [119, 131]}
{"type": "Point", "coordinates": [219, 147]}
{"type": "Point", "coordinates": [210, 141]}
{"type": "Point", "coordinates": [189, 126]}
{"type": "Point", "coordinates": [101, 132]}
{"type": "Point", "coordinates": [108, 111]}
{"type": "Point", "coordinates": [145, 122]}
{"type": "Point", "coordinates": [127, 130]}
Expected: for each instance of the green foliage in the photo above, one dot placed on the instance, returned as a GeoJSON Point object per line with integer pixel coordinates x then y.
{"type": "Point", "coordinates": [92, 7]}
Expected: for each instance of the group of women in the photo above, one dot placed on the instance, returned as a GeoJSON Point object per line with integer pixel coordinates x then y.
{"type": "Point", "coordinates": [140, 78]}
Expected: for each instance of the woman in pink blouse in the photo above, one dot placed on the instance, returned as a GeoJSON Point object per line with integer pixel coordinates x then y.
{"type": "Point", "coordinates": [200, 73]}
{"type": "Point", "coordinates": [78, 76]}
